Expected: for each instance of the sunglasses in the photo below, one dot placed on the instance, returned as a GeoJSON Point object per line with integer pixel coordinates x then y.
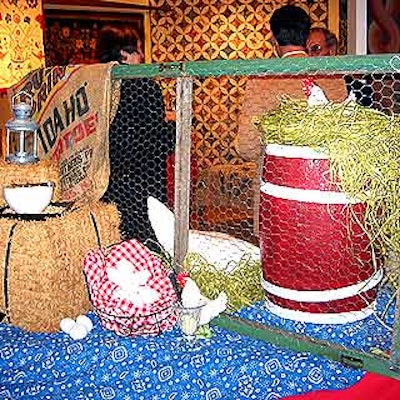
{"type": "Point", "coordinates": [315, 48]}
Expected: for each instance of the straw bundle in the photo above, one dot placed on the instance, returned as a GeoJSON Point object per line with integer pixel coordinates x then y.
{"type": "Point", "coordinates": [20, 174]}
{"type": "Point", "coordinates": [42, 260]}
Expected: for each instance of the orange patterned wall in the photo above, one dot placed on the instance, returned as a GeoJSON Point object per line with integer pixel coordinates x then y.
{"type": "Point", "coordinates": [185, 30]}
{"type": "Point", "coordinates": [21, 39]}
{"type": "Point", "coordinates": [189, 30]}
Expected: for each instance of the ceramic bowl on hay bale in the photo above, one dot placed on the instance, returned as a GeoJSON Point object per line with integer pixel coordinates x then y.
{"type": "Point", "coordinates": [29, 199]}
{"type": "Point", "coordinates": [19, 175]}
{"type": "Point", "coordinates": [42, 256]}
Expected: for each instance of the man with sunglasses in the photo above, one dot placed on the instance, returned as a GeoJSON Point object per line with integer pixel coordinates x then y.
{"type": "Point", "coordinates": [321, 42]}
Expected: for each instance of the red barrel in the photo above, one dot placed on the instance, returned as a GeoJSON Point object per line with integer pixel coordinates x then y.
{"type": "Point", "coordinates": [316, 258]}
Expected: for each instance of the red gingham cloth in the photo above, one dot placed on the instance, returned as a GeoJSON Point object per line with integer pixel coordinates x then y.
{"type": "Point", "coordinates": [121, 315]}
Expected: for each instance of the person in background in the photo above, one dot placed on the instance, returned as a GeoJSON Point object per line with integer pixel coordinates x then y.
{"type": "Point", "coordinates": [321, 42]}
{"type": "Point", "coordinates": [140, 139]}
{"type": "Point", "coordinates": [290, 27]}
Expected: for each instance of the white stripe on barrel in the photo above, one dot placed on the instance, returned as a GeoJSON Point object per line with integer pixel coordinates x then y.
{"type": "Point", "coordinates": [319, 318]}
{"type": "Point", "coordinates": [307, 153]}
{"type": "Point", "coordinates": [320, 296]}
{"type": "Point", "coordinates": [306, 196]}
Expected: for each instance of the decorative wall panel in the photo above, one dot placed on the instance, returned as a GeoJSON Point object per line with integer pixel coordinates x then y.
{"type": "Point", "coordinates": [78, 31]}
{"type": "Point", "coordinates": [21, 39]}
{"type": "Point", "coordinates": [189, 30]}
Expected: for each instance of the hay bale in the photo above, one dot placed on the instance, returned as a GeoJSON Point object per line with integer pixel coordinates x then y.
{"type": "Point", "coordinates": [23, 174]}
{"type": "Point", "coordinates": [42, 260]}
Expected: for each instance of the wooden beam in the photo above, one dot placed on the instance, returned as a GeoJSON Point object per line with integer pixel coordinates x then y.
{"type": "Point", "coordinates": [105, 5]}
{"type": "Point", "coordinates": [334, 16]}
{"type": "Point", "coordinates": [184, 93]}
{"type": "Point", "coordinates": [357, 27]}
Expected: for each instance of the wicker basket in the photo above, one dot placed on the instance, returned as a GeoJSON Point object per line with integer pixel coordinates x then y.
{"type": "Point", "coordinates": [151, 324]}
{"type": "Point", "coordinates": [125, 316]}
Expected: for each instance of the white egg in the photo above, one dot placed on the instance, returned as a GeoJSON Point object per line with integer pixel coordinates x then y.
{"type": "Point", "coordinates": [67, 324]}
{"type": "Point", "coordinates": [78, 332]}
{"type": "Point", "coordinates": [86, 322]}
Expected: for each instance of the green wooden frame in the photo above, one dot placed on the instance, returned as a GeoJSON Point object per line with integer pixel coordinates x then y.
{"type": "Point", "coordinates": [378, 64]}
{"type": "Point", "coordinates": [385, 364]}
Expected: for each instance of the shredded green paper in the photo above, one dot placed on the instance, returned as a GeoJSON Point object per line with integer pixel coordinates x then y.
{"type": "Point", "coordinates": [242, 285]}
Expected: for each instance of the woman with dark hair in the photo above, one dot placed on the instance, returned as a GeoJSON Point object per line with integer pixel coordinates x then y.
{"type": "Point", "coordinates": [140, 138]}
{"type": "Point", "coordinates": [119, 44]}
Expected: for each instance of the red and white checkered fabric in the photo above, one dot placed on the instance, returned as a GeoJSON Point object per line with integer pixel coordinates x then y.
{"type": "Point", "coordinates": [121, 315]}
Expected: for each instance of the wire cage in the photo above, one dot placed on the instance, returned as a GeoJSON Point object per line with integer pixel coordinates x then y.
{"type": "Point", "coordinates": [314, 189]}
{"type": "Point", "coordinates": [151, 324]}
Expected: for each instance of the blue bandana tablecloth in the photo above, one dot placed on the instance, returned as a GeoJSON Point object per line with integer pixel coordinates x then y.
{"type": "Point", "coordinates": [105, 366]}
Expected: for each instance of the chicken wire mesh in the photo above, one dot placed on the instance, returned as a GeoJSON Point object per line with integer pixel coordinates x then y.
{"type": "Point", "coordinates": [141, 140]}
{"type": "Point", "coordinates": [258, 177]}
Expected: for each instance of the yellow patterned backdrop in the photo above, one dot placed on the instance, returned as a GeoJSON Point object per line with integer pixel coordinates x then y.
{"type": "Point", "coordinates": [21, 39]}
{"type": "Point", "coordinates": [189, 30]}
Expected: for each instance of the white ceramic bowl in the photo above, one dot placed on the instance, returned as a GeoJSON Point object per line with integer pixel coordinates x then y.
{"type": "Point", "coordinates": [29, 199]}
